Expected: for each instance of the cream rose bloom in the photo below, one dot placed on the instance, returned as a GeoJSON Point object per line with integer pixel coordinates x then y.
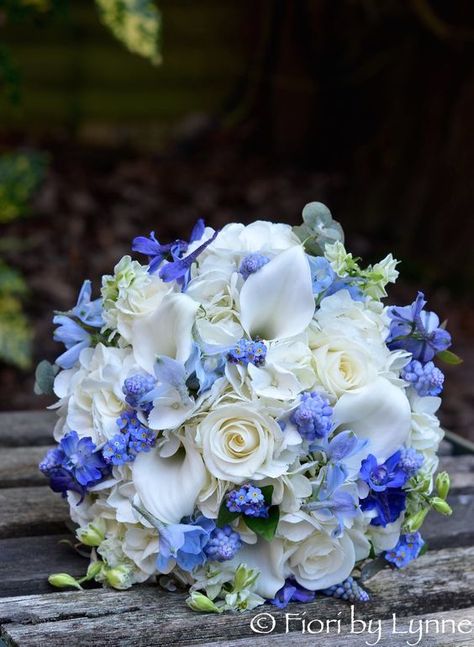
{"type": "Point", "coordinates": [238, 442]}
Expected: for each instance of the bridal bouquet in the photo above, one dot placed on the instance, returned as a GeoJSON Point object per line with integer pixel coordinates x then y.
{"type": "Point", "coordinates": [241, 414]}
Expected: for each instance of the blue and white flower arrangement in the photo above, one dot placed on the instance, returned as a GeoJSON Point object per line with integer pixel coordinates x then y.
{"type": "Point", "coordinates": [242, 415]}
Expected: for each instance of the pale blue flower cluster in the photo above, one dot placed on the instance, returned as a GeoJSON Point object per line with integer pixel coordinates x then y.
{"type": "Point", "coordinates": [134, 437]}
{"type": "Point", "coordinates": [407, 549]}
{"type": "Point", "coordinates": [426, 379]}
{"type": "Point", "coordinates": [313, 417]}
{"type": "Point", "coordinates": [349, 590]}
{"type": "Point", "coordinates": [247, 500]}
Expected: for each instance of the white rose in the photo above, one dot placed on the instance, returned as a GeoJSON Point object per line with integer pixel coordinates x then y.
{"type": "Point", "coordinates": [239, 442]}
{"type": "Point", "coordinates": [259, 236]}
{"type": "Point", "coordinates": [320, 560]}
{"type": "Point", "coordinates": [342, 366]}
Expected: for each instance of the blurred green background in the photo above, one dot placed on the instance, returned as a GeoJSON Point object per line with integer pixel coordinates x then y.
{"type": "Point", "coordinates": [122, 116]}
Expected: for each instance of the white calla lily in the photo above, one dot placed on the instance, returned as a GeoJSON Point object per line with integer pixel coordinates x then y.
{"type": "Point", "coordinates": [378, 412]}
{"type": "Point", "coordinates": [277, 301]}
{"type": "Point", "coordinates": [168, 487]}
{"type": "Point", "coordinates": [168, 331]}
{"type": "Point", "coordinates": [269, 559]}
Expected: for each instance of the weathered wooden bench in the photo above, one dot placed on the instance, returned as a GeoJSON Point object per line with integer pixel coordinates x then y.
{"type": "Point", "coordinates": [437, 587]}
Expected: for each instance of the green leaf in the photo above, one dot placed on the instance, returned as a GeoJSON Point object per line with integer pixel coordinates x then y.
{"type": "Point", "coordinates": [44, 377]}
{"type": "Point", "coordinates": [225, 517]}
{"type": "Point", "coordinates": [20, 176]}
{"type": "Point", "coordinates": [448, 357]}
{"type": "Point", "coordinates": [266, 528]}
{"type": "Point", "coordinates": [136, 23]}
{"type": "Point", "coordinates": [267, 491]}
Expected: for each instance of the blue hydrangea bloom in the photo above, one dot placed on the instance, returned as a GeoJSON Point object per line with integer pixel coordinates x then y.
{"type": "Point", "coordinates": [313, 417]}
{"type": "Point", "coordinates": [426, 379]}
{"type": "Point", "coordinates": [388, 505]}
{"type": "Point", "coordinates": [417, 331]}
{"type": "Point", "coordinates": [135, 388]}
{"type": "Point", "coordinates": [247, 352]}
{"type": "Point", "coordinates": [184, 543]}
{"type": "Point", "coordinates": [410, 461]}
{"type": "Point", "coordinates": [322, 273]}
{"type": "Point", "coordinates": [74, 465]}
{"type": "Point", "coordinates": [383, 476]}
{"type": "Point", "coordinates": [223, 544]}
{"type": "Point", "coordinates": [252, 263]}
{"type": "Point", "coordinates": [351, 284]}
{"type": "Point", "coordinates": [349, 590]}
{"type": "Point", "coordinates": [247, 500]}
{"type": "Point", "coordinates": [291, 591]}
{"type": "Point", "coordinates": [407, 549]}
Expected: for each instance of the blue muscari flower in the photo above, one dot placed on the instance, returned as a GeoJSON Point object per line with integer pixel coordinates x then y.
{"type": "Point", "coordinates": [322, 273]}
{"type": "Point", "coordinates": [74, 465]}
{"type": "Point", "coordinates": [386, 475]}
{"type": "Point", "coordinates": [135, 388]}
{"type": "Point", "coordinates": [71, 333]}
{"type": "Point", "coordinates": [349, 590]}
{"type": "Point", "coordinates": [426, 379]}
{"type": "Point", "coordinates": [247, 500]}
{"type": "Point", "coordinates": [291, 591]}
{"type": "Point", "coordinates": [313, 417]}
{"type": "Point", "coordinates": [247, 352]}
{"type": "Point", "coordinates": [223, 544]}
{"type": "Point", "coordinates": [388, 505]}
{"type": "Point", "coordinates": [417, 331]}
{"type": "Point", "coordinates": [410, 461]}
{"type": "Point", "coordinates": [407, 549]}
{"type": "Point", "coordinates": [252, 263]}
{"type": "Point", "coordinates": [183, 543]}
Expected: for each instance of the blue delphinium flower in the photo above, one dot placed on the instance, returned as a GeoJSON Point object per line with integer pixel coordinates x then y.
{"type": "Point", "coordinates": [407, 549]}
{"type": "Point", "coordinates": [178, 266]}
{"type": "Point", "coordinates": [388, 505]}
{"type": "Point", "coordinates": [410, 461]}
{"type": "Point", "coordinates": [426, 379]}
{"type": "Point", "coordinates": [383, 476]}
{"type": "Point", "coordinates": [291, 591]}
{"type": "Point", "coordinates": [247, 500]}
{"type": "Point", "coordinates": [136, 387]}
{"type": "Point", "coordinates": [134, 437]}
{"type": "Point", "coordinates": [184, 544]}
{"type": "Point", "coordinates": [75, 327]}
{"type": "Point", "coordinates": [417, 331]}
{"type": "Point", "coordinates": [75, 464]}
{"type": "Point", "coordinates": [223, 544]}
{"type": "Point", "coordinates": [247, 352]}
{"type": "Point", "coordinates": [252, 263]}
{"type": "Point", "coordinates": [313, 417]}
{"type": "Point", "coordinates": [349, 283]}
{"type": "Point", "coordinates": [322, 273]}
{"type": "Point", "coordinates": [349, 590]}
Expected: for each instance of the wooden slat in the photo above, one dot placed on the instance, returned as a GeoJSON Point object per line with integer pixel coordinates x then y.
{"type": "Point", "coordinates": [437, 582]}
{"type": "Point", "coordinates": [26, 562]}
{"type": "Point", "coordinates": [448, 629]}
{"type": "Point", "coordinates": [461, 471]}
{"type": "Point", "coordinates": [456, 530]}
{"type": "Point", "coordinates": [31, 511]}
{"type": "Point", "coordinates": [19, 466]}
{"type": "Point", "coordinates": [26, 428]}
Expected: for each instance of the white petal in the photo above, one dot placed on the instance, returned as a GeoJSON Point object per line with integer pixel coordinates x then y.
{"type": "Point", "coordinates": [169, 487]}
{"type": "Point", "coordinates": [168, 331]}
{"type": "Point", "coordinates": [277, 301]}
{"type": "Point", "coordinates": [379, 412]}
{"type": "Point", "coordinates": [268, 558]}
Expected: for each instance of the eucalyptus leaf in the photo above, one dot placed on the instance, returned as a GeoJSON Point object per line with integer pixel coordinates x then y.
{"type": "Point", "coordinates": [44, 377]}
